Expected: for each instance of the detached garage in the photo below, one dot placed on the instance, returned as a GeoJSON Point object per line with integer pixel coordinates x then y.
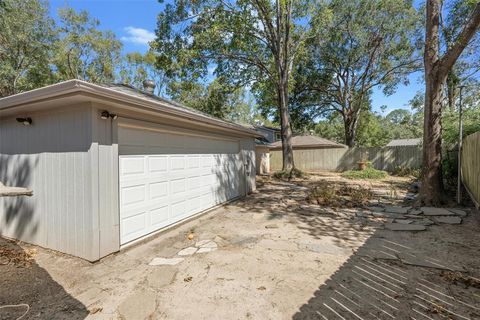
{"type": "Point", "coordinates": [109, 165]}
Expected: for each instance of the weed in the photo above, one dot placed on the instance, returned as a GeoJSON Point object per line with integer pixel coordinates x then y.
{"type": "Point", "coordinates": [294, 173]}
{"type": "Point", "coordinates": [368, 173]}
{"type": "Point", "coordinates": [402, 171]}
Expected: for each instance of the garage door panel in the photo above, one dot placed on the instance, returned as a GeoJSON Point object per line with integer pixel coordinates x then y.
{"type": "Point", "coordinates": [133, 194]}
{"type": "Point", "coordinates": [158, 190]}
{"type": "Point", "coordinates": [172, 177]}
{"type": "Point", "coordinates": [132, 166]}
{"type": "Point", "coordinates": [133, 226]}
{"type": "Point", "coordinates": [157, 164]}
{"type": "Point", "coordinates": [159, 217]}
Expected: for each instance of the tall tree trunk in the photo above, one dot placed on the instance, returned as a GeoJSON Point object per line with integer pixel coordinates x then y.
{"type": "Point", "coordinates": [286, 129]}
{"type": "Point", "coordinates": [432, 191]}
{"type": "Point", "coordinates": [436, 71]}
{"type": "Point", "coordinates": [350, 124]}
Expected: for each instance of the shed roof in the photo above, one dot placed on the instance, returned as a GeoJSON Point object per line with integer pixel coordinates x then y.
{"type": "Point", "coordinates": [309, 141]}
{"type": "Point", "coordinates": [121, 95]}
{"type": "Point", "coordinates": [404, 142]}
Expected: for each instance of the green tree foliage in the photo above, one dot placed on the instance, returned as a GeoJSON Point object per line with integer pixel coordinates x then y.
{"type": "Point", "coordinates": [360, 45]}
{"type": "Point", "coordinates": [137, 67]}
{"type": "Point", "coordinates": [374, 130]}
{"type": "Point", "coordinates": [216, 98]}
{"type": "Point", "coordinates": [26, 36]}
{"type": "Point", "coordinates": [83, 51]}
{"type": "Point", "coordinates": [249, 42]}
{"type": "Point", "coordinates": [465, 70]}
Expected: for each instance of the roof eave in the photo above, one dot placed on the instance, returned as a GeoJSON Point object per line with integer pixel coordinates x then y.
{"type": "Point", "coordinates": [82, 87]}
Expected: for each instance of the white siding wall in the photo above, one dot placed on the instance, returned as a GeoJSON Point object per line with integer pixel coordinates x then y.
{"type": "Point", "coordinates": [53, 157]}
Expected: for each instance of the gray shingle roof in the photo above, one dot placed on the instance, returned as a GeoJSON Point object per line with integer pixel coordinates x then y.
{"type": "Point", "coordinates": [309, 141]}
{"type": "Point", "coordinates": [172, 104]}
{"type": "Point", "coordinates": [404, 142]}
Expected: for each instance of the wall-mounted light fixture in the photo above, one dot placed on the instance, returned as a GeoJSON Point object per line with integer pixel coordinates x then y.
{"type": "Point", "coordinates": [105, 115]}
{"type": "Point", "coordinates": [25, 121]}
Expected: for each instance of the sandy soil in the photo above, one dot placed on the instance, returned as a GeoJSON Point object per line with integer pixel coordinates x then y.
{"type": "Point", "coordinates": [277, 258]}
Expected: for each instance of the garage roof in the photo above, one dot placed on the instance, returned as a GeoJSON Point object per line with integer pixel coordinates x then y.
{"type": "Point", "coordinates": [309, 141]}
{"type": "Point", "coordinates": [122, 95]}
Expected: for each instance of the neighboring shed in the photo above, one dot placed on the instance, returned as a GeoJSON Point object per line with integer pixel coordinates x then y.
{"type": "Point", "coordinates": [404, 142]}
{"type": "Point", "coordinates": [310, 153]}
{"type": "Point", "coordinates": [109, 165]}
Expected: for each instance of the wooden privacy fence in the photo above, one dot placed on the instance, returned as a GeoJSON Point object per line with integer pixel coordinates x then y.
{"type": "Point", "coordinates": [340, 159]}
{"type": "Point", "coordinates": [471, 165]}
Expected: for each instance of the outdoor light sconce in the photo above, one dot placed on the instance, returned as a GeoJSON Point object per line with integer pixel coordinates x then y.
{"type": "Point", "coordinates": [105, 115]}
{"type": "Point", "coordinates": [25, 121]}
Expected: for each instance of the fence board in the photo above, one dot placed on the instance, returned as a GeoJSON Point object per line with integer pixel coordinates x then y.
{"type": "Point", "coordinates": [340, 159]}
{"type": "Point", "coordinates": [471, 165]}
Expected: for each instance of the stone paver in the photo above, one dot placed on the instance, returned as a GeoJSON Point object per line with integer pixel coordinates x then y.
{"type": "Point", "coordinates": [138, 306]}
{"type": "Point", "coordinates": [448, 219]}
{"type": "Point", "coordinates": [394, 209]}
{"type": "Point", "coordinates": [432, 211]}
{"type": "Point", "coordinates": [458, 212]}
{"type": "Point", "coordinates": [187, 251]}
{"type": "Point", "coordinates": [202, 243]}
{"type": "Point", "coordinates": [415, 212]}
{"type": "Point", "coordinates": [376, 208]}
{"type": "Point", "coordinates": [403, 221]}
{"type": "Point", "coordinates": [206, 250]}
{"type": "Point", "coordinates": [162, 276]}
{"type": "Point", "coordinates": [424, 222]}
{"type": "Point", "coordinates": [165, 261]}
{"type": "Point", "coordinates": [404, 227]}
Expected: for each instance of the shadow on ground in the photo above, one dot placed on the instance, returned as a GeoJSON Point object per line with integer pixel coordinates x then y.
{"type": "Point", "coordinates": [30, 290]}
{"type": "Point", "coordinates": [429, 275]}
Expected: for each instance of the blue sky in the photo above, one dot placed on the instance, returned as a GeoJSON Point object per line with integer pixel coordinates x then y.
{"type": "Point", "coordinates": [134, 22]}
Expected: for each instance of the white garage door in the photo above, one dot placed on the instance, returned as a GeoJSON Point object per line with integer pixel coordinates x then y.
{"type": "Point", "coordinates": [167, 177]}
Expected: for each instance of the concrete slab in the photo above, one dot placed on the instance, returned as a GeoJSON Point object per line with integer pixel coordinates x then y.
{"type": "Point", "coordinates": [165, 261]}
{"type": "Point", "coordinates": [432, 211]}
{"type": "Point", "coordinates": [138, 306]}
{"type": "Point", "coordinates": [404, 227]}
{"type": "Point", "coordinates": [448, 219]}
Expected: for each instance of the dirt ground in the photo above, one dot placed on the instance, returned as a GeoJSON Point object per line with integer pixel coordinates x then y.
{"type": "Point", "coordinates": [277, 256]}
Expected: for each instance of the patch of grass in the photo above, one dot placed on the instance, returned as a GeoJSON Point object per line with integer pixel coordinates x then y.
{"type": "Point", "coordinates": [368, 173]}
{"type": "Point", "coordinates": [294, 173]}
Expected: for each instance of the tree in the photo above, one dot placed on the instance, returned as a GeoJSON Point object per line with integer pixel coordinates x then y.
{"type": "Point", "coordinates": [27, 33]}
{"type": "Point", "coordinates": [362, 45]}
{"type": "Point", "coordinates": [247, 41]}
{"type": "Point", "coordinates": [83, 51]}
{"type": "Point", "coordinates": [468, 63]}
{"type": "Point", "coordinates": [138, 67]}
{"type": "Point", "coordinates": [437, 67]}
{"type": "Point", "coordinates": [216, 98]}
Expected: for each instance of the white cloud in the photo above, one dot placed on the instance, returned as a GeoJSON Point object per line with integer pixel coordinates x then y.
{"type": "Point", "coordinates": [138, 36]}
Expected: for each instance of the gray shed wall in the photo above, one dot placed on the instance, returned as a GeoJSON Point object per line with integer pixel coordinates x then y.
{"type": "Point", "coordinates": [53, 157]}
{"type": "Point", "coordinates": [69, 158]}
